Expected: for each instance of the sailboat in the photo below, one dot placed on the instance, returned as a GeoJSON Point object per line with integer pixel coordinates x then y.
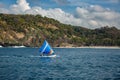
{"type": "Point", "coordinates": [46, 50]}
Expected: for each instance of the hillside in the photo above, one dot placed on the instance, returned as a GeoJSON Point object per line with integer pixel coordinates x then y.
{"type": "Point", "coordinates": [32, 30]}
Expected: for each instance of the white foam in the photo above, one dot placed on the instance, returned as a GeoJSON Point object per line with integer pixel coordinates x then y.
{"type": "Point", "coordinates": [46, 56]}
{"type": "Point", "coordinates": [18, 46]}
{"type": "Point", "coordinates": [34, 56]}
{"type": "Point", "coordinates": [0, 46]}
{"type": "Point", "coordinates": [50, 56]}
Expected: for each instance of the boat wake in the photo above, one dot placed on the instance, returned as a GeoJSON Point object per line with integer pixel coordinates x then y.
{"type": "Point", "coordinates": [46, 56]}
{"type": "Point", "coordinates": [52, 56]}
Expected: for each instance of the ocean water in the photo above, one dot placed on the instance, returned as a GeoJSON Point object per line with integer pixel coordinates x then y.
{"type": "Point", "coordinates": [69, 64]}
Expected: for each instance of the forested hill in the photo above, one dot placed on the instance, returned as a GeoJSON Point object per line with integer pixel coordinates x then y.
{"type": "Point", "coordinates": [32, 30]}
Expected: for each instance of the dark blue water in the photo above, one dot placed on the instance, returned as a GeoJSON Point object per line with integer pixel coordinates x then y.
{"type": "Point", "coordinates": [70, 64]}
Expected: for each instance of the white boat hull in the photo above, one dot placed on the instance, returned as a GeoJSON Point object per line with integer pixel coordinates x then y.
{"type": "Point", "coordinates": [49, 56]}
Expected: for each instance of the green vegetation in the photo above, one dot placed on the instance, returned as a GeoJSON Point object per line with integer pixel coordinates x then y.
{"type": "Point", "coordinates": [32, 30]}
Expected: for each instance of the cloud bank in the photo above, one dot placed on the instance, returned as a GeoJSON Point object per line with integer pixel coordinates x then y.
{"type": "Point", "coordinates": [93, 16]}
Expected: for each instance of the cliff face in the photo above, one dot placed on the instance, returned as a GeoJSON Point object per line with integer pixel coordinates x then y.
{"type": "Point", "coordinates": [32, 30]}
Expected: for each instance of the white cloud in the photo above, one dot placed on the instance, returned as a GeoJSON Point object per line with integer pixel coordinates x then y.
{"type": "Point", "coordinates": [3, 10]}
{"type": "Point", "coordinates": [20, 7]}
{"type": "Point", "coordinates": [97, 16]}
{"type": "Point", "coordinates": [114, 1]}
{"type": "Point", "coordinates": [97, 8]}
{"type": "Point", "coordinates": [91, 17]}
{"type": "Point", "coordinates": [55, 13]}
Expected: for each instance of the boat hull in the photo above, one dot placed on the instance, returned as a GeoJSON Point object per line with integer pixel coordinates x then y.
{"type": "Point", "coordinates": [49, 56]}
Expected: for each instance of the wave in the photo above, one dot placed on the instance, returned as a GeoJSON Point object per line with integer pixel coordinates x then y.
{"type": "Point", "coordinates": [4, 56]}
{"type": "Point", "coordinates": [99, 47]}
{"type": "Point", "coordinates": [33, 56]}
{"type": "Point", "coordinates": [13, 46]}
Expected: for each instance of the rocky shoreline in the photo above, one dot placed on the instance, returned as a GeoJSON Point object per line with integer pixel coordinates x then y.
{"type": "Point", "coordinates": [22, 46]}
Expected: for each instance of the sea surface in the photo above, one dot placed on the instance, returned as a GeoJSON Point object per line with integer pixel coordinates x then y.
{"type": "Point", "coordinates": [69, 64]}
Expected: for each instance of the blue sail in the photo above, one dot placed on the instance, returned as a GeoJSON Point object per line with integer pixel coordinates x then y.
{"type": "Point", "coordinates": [46, 48]}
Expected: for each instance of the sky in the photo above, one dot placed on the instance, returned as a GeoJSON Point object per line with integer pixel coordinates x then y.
{"type": "Point", "coordinates": [87, 13]}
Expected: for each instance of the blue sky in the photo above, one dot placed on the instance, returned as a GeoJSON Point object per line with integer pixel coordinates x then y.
{"type": "Point", "coordinates": [87, 13]}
